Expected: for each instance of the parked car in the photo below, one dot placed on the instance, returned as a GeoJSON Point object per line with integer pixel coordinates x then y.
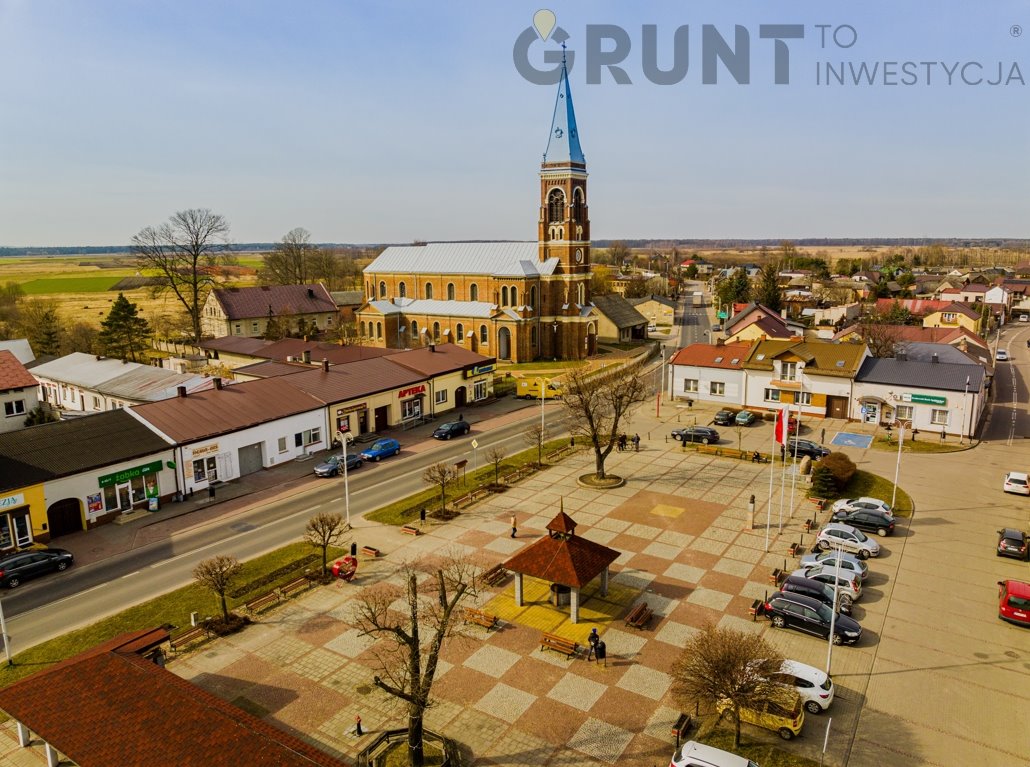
{"type": "Point", "coordinates": [1024, 318]}
{"type": "Point", "coordinates": [784, 714]}
{"type": "Point", "coordinates": [380, 449]}
{"type": "Point", "coordinates": [694, 754]}
{"type": "Point", "coordinates": [867, 519]}
{"type": "Point", "coordinates": [798, 582]}
{"type": "Point", "coordinates": [25, 565]}
{"type": "Point", "coordinates": [334, 465]}
{"type": "Point", "coordinates": [652, 328]}
{"type": "Point", "coordinates": [1017, 482]}
{"type": "Point", "coordinates": [838, 535]}
{"type": "Point", "coordinates": [1014, 602]}
{"type": "Point", "coordinates": [1013, 543]}
{"type": "Point", "coordinates": [849, 584]}
{"type": "Point", "coordinates": [1001, 355]}
{"type": "Point", "coordinates": [702, 434]}
{"type": "Point", "coordinates": [724, 418]}
{"type": "Point", "coordinates": [873, 504]}
{"type": "Point", "coordinates": [803, 447]}
{"type": "Point", "coordinates": [810, 616]}
{"type": "Point", "coordinates": [451, 429]}
{"type": "Point", "coordinates": [813, 685]}
{"type": "Point", "coordinates": [829, 559]}
{"type": "Point", "coordinates": [745, 418]}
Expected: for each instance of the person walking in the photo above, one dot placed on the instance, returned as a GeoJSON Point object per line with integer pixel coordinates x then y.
{"type": "Point", "coordinates": [357, 726]}
{"type": "Point", "coordinates": [592, 641]}
{"type": "Point", "coordinates": [514, 529]}
{"type": "Point", "coordinates": [422, 517]}
{"type": "Point", "coordinates": [636, 443]}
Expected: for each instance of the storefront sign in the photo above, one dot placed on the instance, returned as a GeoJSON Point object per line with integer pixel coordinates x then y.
{"type": "Point", "coordinates": [12, 500]}
{"type": "Point", "coordinates": [478, 370]}
{"type": "Point", "coordinates": [206, 449]}
{"type": "Point", "coordinates": [924, 399]}
{"type": "Point", "coordinates": [411, 392]}
{"type": "Point", "coordinates": [352, 409]}
{"type": "Point", "coordinates": [124, 476]}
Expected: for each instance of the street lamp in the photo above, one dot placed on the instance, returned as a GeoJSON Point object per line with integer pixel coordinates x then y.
{"type": "Point", "coordinates": [897, 467]}
{"type": "Point", "coordinates": [833, 610]}
{"type": "Point", "coordinates": [346, 438]}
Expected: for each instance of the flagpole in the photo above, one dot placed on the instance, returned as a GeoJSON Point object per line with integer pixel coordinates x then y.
{"type": "Point", "coordinates": [794, 473]}
{"type": "Point", "coordinates": [785, 430]}
{"type": "Point", "coordinates": [768, 507]}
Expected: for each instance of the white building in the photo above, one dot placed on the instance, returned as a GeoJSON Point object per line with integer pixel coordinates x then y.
{"type": "Point", "coordinates": [709, 373]}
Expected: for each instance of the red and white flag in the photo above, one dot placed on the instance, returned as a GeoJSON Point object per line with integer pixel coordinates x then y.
{"type": "Point", "coordinates": [781, 426]}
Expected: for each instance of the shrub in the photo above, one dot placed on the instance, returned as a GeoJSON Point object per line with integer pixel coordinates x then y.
{"type": "Point", "coordinates": [840, 467]}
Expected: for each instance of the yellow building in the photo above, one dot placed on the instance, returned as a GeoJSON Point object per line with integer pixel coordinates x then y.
{"type": "Point", "coordinates": [956, 315]}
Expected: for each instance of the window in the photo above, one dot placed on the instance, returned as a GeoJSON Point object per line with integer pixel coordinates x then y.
{"type": "Point", "coordinates": [532, 336]}
{"type": "Point", "coordinates": [514, 296]}
{"type": "Point", "coordinates": [441, 396]}
{"type": "Point", "coordinates": [460, 331]}
{"type": "Point", "coordinates": [788, 371]}
{"type": "Point", "coordinates": [436, 331]}
{"type": "Point", "coordinates": [205, 469]}
{"type": "Point", "coordinates": [581, 294]}
{"type": "Point", "coordinates": [411, 408]}
{"type": "Point", "coordinates": [504, 296]}
{"type": "Point", "coordinates": [803, 398]}
{"type": "Point", "coordinates": [482, 334]}
{"type": "Point", "coordinates": [253, 326]}
{"type": "Point", "coordinates": [556, 205]}
{"type": "Point", "coordinates": [429, 290]}
{"type": "Point", "coordinates": [532, 296]}
{"type": "Point", "coordinates": [772, 395]}
{"type": "Point", "coordinates": [903, 412]}
{"type": "Point", "coordinates": [96, 402]}
{"type": "Point", "coordinates": [414, 331]}
{"type": "Point", "coordinates": [402, 290]}
{"type": "Point", "coordinates": [474, 293]}
{"type": "Point", "coordinates": [450, 291]}
{"type": "Point", "coordinates": [16, 407]}
{"type": "Point", "coordinates": [717, 388]}
{"type": "Point", "coordinates": [690, 385]}
{"type": "Point", "coordinates": [379, 330]}
{"type": "Point", "coordinates": [307, 437]}
{"type": "Point", "coordinates": [939, 417]}
{"type": "Point", "coordinates": [239, 329]}
{"type": "Point", "coordinates": [282, 444]}
{"type": "Point", "coordinates": [479, 390]}
{"type": "Point", "coordinates": [382, 290]}
{"type": "Point", "coordinates": [577, 204]}
{"type": "Point", "coordinates": [948, 317]}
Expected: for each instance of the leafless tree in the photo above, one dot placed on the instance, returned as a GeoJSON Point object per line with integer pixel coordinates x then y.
{"type": "Point", "coordinates": [883, 339]}
{"type": "Point", "coordinates": [441, 475]}
{"type": "Point", "coordinates": [496, 456]}
{"type": "Point", "coordinates": [408, 657]}
{"type": "Point", "coordinates": [218, 574]}
{"type": "Point", "coordinates": [323, 530]}
{"type": "Point", "coordinates": [598, 404]}
{"type": "Point", "coordinates": [720, 664]}
{"type": "Point", "coordinates": [186, 253]}
{"type": "Point", "coordinates": [289, 263]}
{"type": "Point", "coordinates": [534, 435]}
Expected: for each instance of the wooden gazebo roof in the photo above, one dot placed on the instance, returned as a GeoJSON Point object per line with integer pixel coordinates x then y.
{"type": "Point", "coordinates": [563, 557]}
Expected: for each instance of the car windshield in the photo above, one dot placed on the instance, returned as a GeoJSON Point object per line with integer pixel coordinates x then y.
{"type": "Point", "coordinates": [1020, 603]}
{"type": "Point", "coordinates": [860, 536]}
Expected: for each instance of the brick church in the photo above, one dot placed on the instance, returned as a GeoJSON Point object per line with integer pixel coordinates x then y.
{"type": "Point", "coordinates": [514, 301]}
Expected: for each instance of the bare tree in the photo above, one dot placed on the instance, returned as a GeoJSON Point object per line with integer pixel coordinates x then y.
{"type": "Point", "coordinates": [186, 252]}
{"type": "Point", "coordinates": [495, 455]}
{"type": "Point", "coordinates": [720, 664]}
{"type": "Point", "coordinates": [408, 658]}
{"type": "Point", "coordinates": [218, 574]}
{"type": "Point", "coordinates": [883, 340]}
{"type": "Point", "coordinates": [289, 263]}
{"type": "Point", "coordinates": [323, 530]}
{"type": "Point", "coordinates": [534, 435]}
{"type": "Point", "coordinates": [440, 474]}
{"type": "Point", "coordinates": [597, 404]}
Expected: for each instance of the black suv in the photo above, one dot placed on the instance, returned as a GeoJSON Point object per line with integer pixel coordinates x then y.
{"type": "Point", "coordinates": [724, 418]}
{"type": "Point", "coordinates": [866, 519]}
{"type": "Point", "coordinates": [811, 616]}
{"type": "Point", "coordinates": [23, 565]}
{"type": "Point", "coordinates": [809, 587]}
{"type": "Point", "coordinates": [1013, 543]}
{"type": "Point", "coordinates": [702, 434]}
{"type": "Point", "coordinates": [803, 447]}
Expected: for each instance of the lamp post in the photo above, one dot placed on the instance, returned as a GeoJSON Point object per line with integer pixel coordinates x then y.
{"type": "Point", "coordinates": [543, 396]}
{"type": "Point", "coordinates": [345, 439]}
{"type": "Point", "coordinates": [965, 403]}
{"type": "Point", "coordinates": [833, 610]}
{"type": "Point", "coordinates": [897, 467]}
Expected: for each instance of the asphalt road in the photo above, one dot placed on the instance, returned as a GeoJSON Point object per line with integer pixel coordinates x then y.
{"type": "Point", "coordinates": [1009, 419]}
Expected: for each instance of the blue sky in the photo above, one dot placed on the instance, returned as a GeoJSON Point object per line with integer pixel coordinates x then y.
{"type": "Point", "coordinates": [393, 121]}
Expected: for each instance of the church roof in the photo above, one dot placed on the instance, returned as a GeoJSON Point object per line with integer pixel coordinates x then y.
{"type": "Point", "coordinates": [476, 309]}
{"type": "Point", "coordinates": [563, 141]}
{"type": "Point", "coordinates": [498, 259]}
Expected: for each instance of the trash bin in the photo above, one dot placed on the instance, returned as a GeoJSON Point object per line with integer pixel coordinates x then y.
{"type": "Point", "coordinates": [353, 549]}
{"type": "Point", "coordinates": [211, 490]}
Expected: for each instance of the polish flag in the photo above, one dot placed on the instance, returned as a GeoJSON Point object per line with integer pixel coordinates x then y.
{"type": "Point", "coordinates": [781, 426]}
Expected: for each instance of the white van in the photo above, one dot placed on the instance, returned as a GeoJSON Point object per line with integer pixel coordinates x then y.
{"type": "Point", "coordinates": [694, 754]}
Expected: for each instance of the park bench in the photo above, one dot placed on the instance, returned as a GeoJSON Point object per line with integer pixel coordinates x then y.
{"type": "Point", "coordinates": [558, 644]}
{"type": "Point", "coordinates": [370, 551]}
{"type": "Point", "coordinates": [776, 576]}
{"type": "Point", "coordinates": [258, 604]}
{"type": "Point", "coordinates": [756, 608]}
{"type": "Point", "coordinates": [185, 638]}
{"type": "Point", "coordinates": [820, 503]}
{"type": "Point", "coordinates": [796, 548]}
{"type": "Point", "coordinates": [484, 619]}
{"type": "Point", "coordinates": [469, 498]}
{"type": "Point", "coordinates": [494, 575]}
{"type": "Point", "coordinates": [409, 530]}
{"type": "Point", "coordinates": [639, 616]}
{"type": "Point", "coordinates": [298, 584]}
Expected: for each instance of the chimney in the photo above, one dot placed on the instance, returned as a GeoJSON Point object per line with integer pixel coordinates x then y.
{"type": "Point", "coordinates": [901, 354]}
{"type": "Point", "coordinates": [720, 341]}
{"type": "Point", "coordinates": [311, 292]}
{"type": "Point", "coordinates": [218, 382]}
{"type": "Point", "coordinates": [934, 358]}
{"type": "Point", "coordinates": [963, 344]}
{"type": "Point", "coordinates": [432, 347]}
{"type": "Point", "coordinates": [307, 356]}
{"type": "Point", "coordinates": [325, 365]}
{"type": "Point", "coordinates": [182, 391]}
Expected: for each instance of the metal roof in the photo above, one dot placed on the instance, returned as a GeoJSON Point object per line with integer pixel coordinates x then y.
{"type": "Point", "coordinates": [115, 378]}
{"type": "Point", "coordinates": [20, 348]}
{"type": "Point", "coordinates": [925, 375]}
{"type": "Point", "coordinates": [563, 141]}
{"type": "Point", "coordinates": [149, 384]}
{"type": "Point", "coordinates": [436, 307]}
{"type": "Point", "coordinates": [497, 259]}
{"type": "Point", "coordinates": [619, 311]}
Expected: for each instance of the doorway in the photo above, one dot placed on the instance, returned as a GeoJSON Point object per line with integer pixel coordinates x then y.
{"type": "Point", "coordinates": [871, 412]}
{"type": "Point", "coordinates": [64, 517]}
{"type": "Point", "coordinates": [382, 416]}
{"type": "Point", "coordinates": [504, 344]}
{"type": "Point", "coordinates": [460, 396]}
{"type": "Point", "coordinates": [836, 407]}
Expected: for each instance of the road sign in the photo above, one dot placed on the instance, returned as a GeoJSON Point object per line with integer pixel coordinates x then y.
{"type": "Point", "coordinates": [474, 443]}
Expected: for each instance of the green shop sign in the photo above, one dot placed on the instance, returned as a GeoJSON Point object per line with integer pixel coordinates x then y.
{"type": "Point", "coordinates": [924, 399]}
{"type": "Point", "coordinates": [124, 476]}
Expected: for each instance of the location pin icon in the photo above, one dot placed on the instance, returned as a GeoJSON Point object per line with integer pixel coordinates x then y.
{"type": "Point", "coordinates": [544, 21]}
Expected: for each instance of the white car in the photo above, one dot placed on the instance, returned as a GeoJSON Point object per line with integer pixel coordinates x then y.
{"type": "Point", "coordinates": [1017, 482]}
{"type": "Point", "coordinates": [1001, 355]}
{"type": "Point", "coordinates": [694, 754]}
{"type": "Point", "coordinates": [814, 687]}
{"type": "Point", "coordinates": [1024, 318]}
{"type": "Point", "coordinates": [838, 535]}
{"type": "Point", "coordinates": [865, 503]}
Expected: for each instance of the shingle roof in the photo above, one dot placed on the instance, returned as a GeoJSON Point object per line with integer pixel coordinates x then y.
{"type": "Point", "coordinates": [476, 309]}
{"type": "Point", "coordinates": [246, 303]}
{"type": "Point", "coordinates": [926, 375]}
{"type": "Point", "coordinates": [821, 357]}
{"type": "Point", "coordinates": [346, 382]}
{"type": "Point", "coordinates": [619, 311]}
{"type": "Point", "coordinates": [571, 561]}
{"type": "Point", "coordinates": [149, 715]}
{"type": "Point", "coordinates": [729, 356]}
{"type": "Point", "coordinates": [501, 259]}
{"type": "Point", "coordinates": [960, 308]}
{"type": "Point", "coordinates": [64, 448]}
{"type": "Point", "coordinates": [772, 323]}
{"type": "Point", "coordinates": [917, 333]}
{"type": "Point", "coordinates": [658, 299]}
{"type": "Point", "coordinates": [13, 374]}
{"type": "Point", "coordinates": [443, 359]}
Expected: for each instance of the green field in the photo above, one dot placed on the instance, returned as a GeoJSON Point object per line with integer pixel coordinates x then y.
{"type": "Point", "coordinates": [53, 285]}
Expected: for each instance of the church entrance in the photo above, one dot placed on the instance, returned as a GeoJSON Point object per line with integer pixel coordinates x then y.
{"type": "Point", "coordinates": [504, 344]}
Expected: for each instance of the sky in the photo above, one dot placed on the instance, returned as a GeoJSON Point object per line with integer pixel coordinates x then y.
{"type": "Point", "coordinates": [388, 121]}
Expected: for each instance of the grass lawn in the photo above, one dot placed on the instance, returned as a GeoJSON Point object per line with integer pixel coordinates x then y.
{"type": "Point", "coordinates": [548, 365]}
{"type": "Point", "coordinates": [931, 443]}
{"type": "Point", "coordinates": [874, 486]}
{"type": "Point", "coordinates": [96, 284]}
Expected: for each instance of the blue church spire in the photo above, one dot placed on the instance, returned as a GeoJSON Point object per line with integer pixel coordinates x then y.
{"type": "Point", "coordinates": [563, 141]}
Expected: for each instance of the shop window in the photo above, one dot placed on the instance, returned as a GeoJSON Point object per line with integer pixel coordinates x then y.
{"type": "Point", "coordinates": [411, 408]}
{"type": "Point", "coordinates": [204, 469]}
{"type": "Point", "coordinates": [479, 390]}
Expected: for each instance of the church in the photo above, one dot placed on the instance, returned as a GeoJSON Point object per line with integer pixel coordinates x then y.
{"type": "Point", "coordinates": [514, 301]}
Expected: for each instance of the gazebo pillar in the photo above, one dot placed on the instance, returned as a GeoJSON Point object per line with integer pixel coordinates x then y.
{"type": "Point", "coordinates": [51, 755]}
{"type": "Point", "coordinates": [24, 735]}
{"type": "Point", "coordinates": [604, 582]}
{"type": "Point", "coordinates": [574, 605]}
{"type": "Point", "coordinates": [518, 589]}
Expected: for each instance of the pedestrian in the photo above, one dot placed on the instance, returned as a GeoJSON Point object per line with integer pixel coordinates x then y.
{"type": "Point", "coordinates": [783, 453]}
{"type": "Point", "coordinates": [422, 517]}
{"type": "Point", "coordinates": [357, 726]}
{"type": "Point", "coordinates": [514, 529]}
{"type": "Point", "coordinates": [592, 641]}
{"type": "Point", "coordinates": [601, 653]}
{"type": "Point", "coordinates": [461, 417]}
{"type": "Point", "coordinates": [636, 443]}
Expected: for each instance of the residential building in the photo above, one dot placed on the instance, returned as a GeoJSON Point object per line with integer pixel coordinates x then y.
{"type": "Point", "coordinates": [966, 294]}
{"type": "Point", "coordinates": [709, 373]}
{"type": "Point", "coordinates": [904, 334]}
{"type": "Point", "coordinates": [917, 307]}
{"type": "Point", "coordinates": [755, 322]}
{"type": "Point", "coordinates": [248, 311]}
{"type": "Point", "coordinates": [954, 315]}
{"type": "Point", "coordinates": [657, 310]}
{"type": "Point", "coordinates": [18, 392]}
{"type": "Point", "coordinates": [617, 320]}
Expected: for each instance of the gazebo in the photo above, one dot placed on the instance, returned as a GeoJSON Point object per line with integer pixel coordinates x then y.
{"type": "Point", "coordinates": [566, 560]}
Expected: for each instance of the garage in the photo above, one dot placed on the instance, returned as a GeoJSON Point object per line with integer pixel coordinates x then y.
{"type": "Point", "coordinates": [64, 517]}
{"type": "Point", "coordinates": [251, 459]}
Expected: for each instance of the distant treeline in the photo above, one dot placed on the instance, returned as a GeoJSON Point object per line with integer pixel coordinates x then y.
{"type": "Point", "coordinates": [123, 250]}
{"type": "Point", "coordinates": [895, 242]}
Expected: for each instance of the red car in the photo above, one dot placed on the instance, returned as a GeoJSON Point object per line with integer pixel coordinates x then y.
{"type": "Point", "coordinates": [1014, 602]}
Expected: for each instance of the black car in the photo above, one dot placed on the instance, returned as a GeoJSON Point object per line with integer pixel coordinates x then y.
{"type": "Point", "coordinates": [24, 565]}
{"type": "Point", "coordinates": [724, 418]}
{"type": "Point", "coordinates": [803, 447]}
{"type": "Point", "coordinates": [702, 434]}
{"type": "Point", "coordinates": [1013, 543]}
{"type": "Point", "coordinates": [811, 616]}
{"type": "Point", "coordinates": [334, 465]}
{"type": "Point", "coordinates": [809, 587]}
{"type": "Point", "coordinates": [452, 429]}
{"type": "Point", "coordinates": [866, 519]}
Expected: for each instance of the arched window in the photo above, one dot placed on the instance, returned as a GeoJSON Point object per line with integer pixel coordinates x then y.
{"type": "Point", "coordinates": [429, 290]}
{"type": "Point", "coordinates": [474, 292]}
{"type": "Point", "coordinates": [556, 205]}
{"type": "Point", "coordinates": [532, 296]}
{"type": "Point", "coordinates": [379, 330]}
{"type": "Point", "coordinates": [504, 296]}
{"type": "Point", "coordinates": [382, 290]}
{"type": "Point", "coordinates": [402, 290]}
{"type": "Point", "coordinates": [450, 291]}
{"type": "Point", "coordinates": [577, 205]}
{"type": "Point", "coordinates": [482, 334]}
{"type": "Point", "coordinates": [514, 296]}
{"type": "Point", "coordinates": [436, 331]}
{"type": "Point", "coordinates": [414, 331]}
{"type": "Point", "coordinates": [460, 332]}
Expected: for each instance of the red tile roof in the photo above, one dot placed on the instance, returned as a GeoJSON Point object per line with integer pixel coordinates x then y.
{"type": "Point", "coordinates": [13, 374]}
{"type": "Point", "coordinates": [918, 333]}
{"type": "Point", "coordinates": [917, 306]}
{"type": "Point", "coordinates": [569, 560]}
{"type": "Point", "coordinates": [443, 359]}
{"type": "Point", "coordinates": [246, 303]}
{"type": "Point", "coordinates": [110, 706]}
{"type": "Point", "coordinates": [705, 355]}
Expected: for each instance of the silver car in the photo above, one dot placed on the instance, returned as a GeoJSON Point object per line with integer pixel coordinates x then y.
{"type": "Point", "coordinates": [848, 581]}
{"type": "Point", "coordinates": [838, 535]}
{"type": "Point", "coordinates": [829, 559]}
{"type": "Point", "coordinates": [864, 503]}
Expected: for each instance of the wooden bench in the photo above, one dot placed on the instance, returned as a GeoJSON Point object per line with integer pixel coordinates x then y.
{"type": "Point", "coordinates": [558, 644]}
{"type": "Point", "coordinates": [486, 620]}
{"type": "Point", "coordinates": [494, 575]}
{"type": "Point", "coordinates": [298, 584]}
{"type": "Point", "coordinates": [409, 530]}
{"type": "Point", "coordinates": [776, 576]}
{"type": "Point", "coordinates": [640, 616]}
{"type": "Point", "coordinates": [796, 548]}
{"type": "Point", "coordinates": [370, 551]}
{"type": "Point", "coordinates": [188, 637]}
{"type": "Point", "coordinates": [258, 604]}
{"type": "Point", "coordinates": [756, 608]}
{"type": "Point", "coordinates": [820, 503]}
{"type": "Point", "coordinates": [809, 524]}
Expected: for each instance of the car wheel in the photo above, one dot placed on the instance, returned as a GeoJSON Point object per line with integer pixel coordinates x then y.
{"type": "Point", "coordinates": [704, 440]}
{"type": "Point", "coordinates": [778, 621]}
{"type": "Point", "coordinates": [813, 708]}
{"type": "Point", "coordinates": [838, 639]}
{"type": "Point", "coordinates": [13, 583]}
{"type": "Point", "coordinates": [61, 566]}
{"type": "Point", "coordinates": [824, 546]}
{"type": "Point", "coordinates": [377, 459]}
{"type": "Point", "coordinates": [786, 734]}
{"type": "Point", "coordinates": [334, 472]}
{"type": "Point", "coordinates": [881, 531]}
{"type": "Point", "coordinates": [845, 605]}
{"type": "Point", "coordinates": [447, 435]}
{"type": "Point", "coordinates": [357, 465]}
{"type": "Point", "coordinates": [863, 554]}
